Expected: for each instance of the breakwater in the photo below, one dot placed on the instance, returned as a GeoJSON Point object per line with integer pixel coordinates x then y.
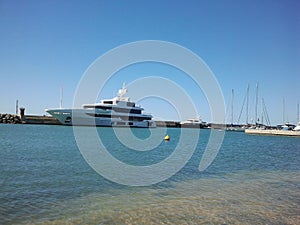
{"type": "Point", "coordinates": [10, 118]}
{"type": "Point", "coordinates": [27, 119]}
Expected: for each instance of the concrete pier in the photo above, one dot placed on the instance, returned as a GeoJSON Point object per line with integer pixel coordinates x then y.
{"type": "Point", "coordinates": [273, 132]}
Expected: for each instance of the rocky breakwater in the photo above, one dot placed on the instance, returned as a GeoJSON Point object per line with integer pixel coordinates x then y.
{"type": "Point", "coordinates": [9, 118]}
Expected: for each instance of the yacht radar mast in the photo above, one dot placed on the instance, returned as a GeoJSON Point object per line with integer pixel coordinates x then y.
{"type": "Point", "coordinates": [121, 93]}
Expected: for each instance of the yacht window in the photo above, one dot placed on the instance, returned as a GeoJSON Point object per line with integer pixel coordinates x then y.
{"type": "Point", "coordinates": [89, 107]}
{"type": "Point", "coordinates": [126, 110]}
{"type": "Point", "coordinates": [130, 104]}
{"type": "Point", "coordinates": [68, 119]}
{"type": "Point", "coordinates": [103, 107]}
{"type": "Point", "coordinates": [136, 111]}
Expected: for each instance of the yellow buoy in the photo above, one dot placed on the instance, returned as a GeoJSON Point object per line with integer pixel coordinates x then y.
{"type": "Point", "coordinates": [167, 138]}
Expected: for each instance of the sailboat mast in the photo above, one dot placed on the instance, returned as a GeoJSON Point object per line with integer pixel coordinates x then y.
{"type": "Point", "coordinates": [247, 105]}
{"type": "Point", "coordinates": [232, 99]}
{"type": "Point", "coordinates": [262, 111]}
{"type": "Point", "coordinates": [298, 112]}
{"type": "Point", "coordinates": [283, 111]}
{"type": "Point", "coordinates": [256, 103]}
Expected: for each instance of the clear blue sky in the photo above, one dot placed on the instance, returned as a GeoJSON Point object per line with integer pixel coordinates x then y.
{"type": "Point", "coordinates": [48, 44]}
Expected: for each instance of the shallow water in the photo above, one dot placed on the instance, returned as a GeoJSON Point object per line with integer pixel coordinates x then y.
{"type": "Point", "coordinates": [45, 180]}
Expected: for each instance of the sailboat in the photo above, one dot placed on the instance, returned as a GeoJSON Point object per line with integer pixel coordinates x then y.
{"type": "Point", "coordinates": [297, 128]}
{"type": "Point", "coordinates": [232, 126]}
{"type": "Point", "coordinates": [286, 125]}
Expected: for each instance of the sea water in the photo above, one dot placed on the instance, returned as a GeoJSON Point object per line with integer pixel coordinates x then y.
{"type": "Point", "coordinates": [44, 179]}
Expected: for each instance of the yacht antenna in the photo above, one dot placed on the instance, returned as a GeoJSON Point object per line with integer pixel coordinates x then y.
{"type": "Point", "coordinates": [122, 92]}
{"type": "Point", "coordinates": [61, 98]}
{"type": "Point", "coordinates": [17, 107]}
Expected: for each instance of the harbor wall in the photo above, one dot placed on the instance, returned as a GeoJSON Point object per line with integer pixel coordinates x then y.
{"type": "Point", "coordinates": [167, 123]}
{"type": "Point", "coordinates": [47, 120]}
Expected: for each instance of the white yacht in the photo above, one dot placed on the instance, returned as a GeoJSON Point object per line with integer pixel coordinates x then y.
{"type": "Point", "coordinates": [196, 122]}
{"type": "Point", "coordinates": [117, 112]}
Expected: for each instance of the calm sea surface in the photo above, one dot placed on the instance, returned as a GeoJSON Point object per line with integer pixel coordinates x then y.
{"type": "Point", "coordinates": [44, 179]}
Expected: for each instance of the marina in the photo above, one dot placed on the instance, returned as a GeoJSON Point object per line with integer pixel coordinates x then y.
{"type": "Point", "coordinates": [149, 112]}
{"type": "Point", "coordinates": [49, 120]}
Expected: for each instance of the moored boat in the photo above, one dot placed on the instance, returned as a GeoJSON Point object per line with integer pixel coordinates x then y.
{"type": "Point", "coordinates": [193, 123]}
{"type": "Point", "coordinates": [297, 128]}
{"type": "Point", "coordinates": [117, 112]}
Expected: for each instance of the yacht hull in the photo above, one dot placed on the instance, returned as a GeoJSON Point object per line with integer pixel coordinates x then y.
{"type": "Point", "coordinates": [85, 117]}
